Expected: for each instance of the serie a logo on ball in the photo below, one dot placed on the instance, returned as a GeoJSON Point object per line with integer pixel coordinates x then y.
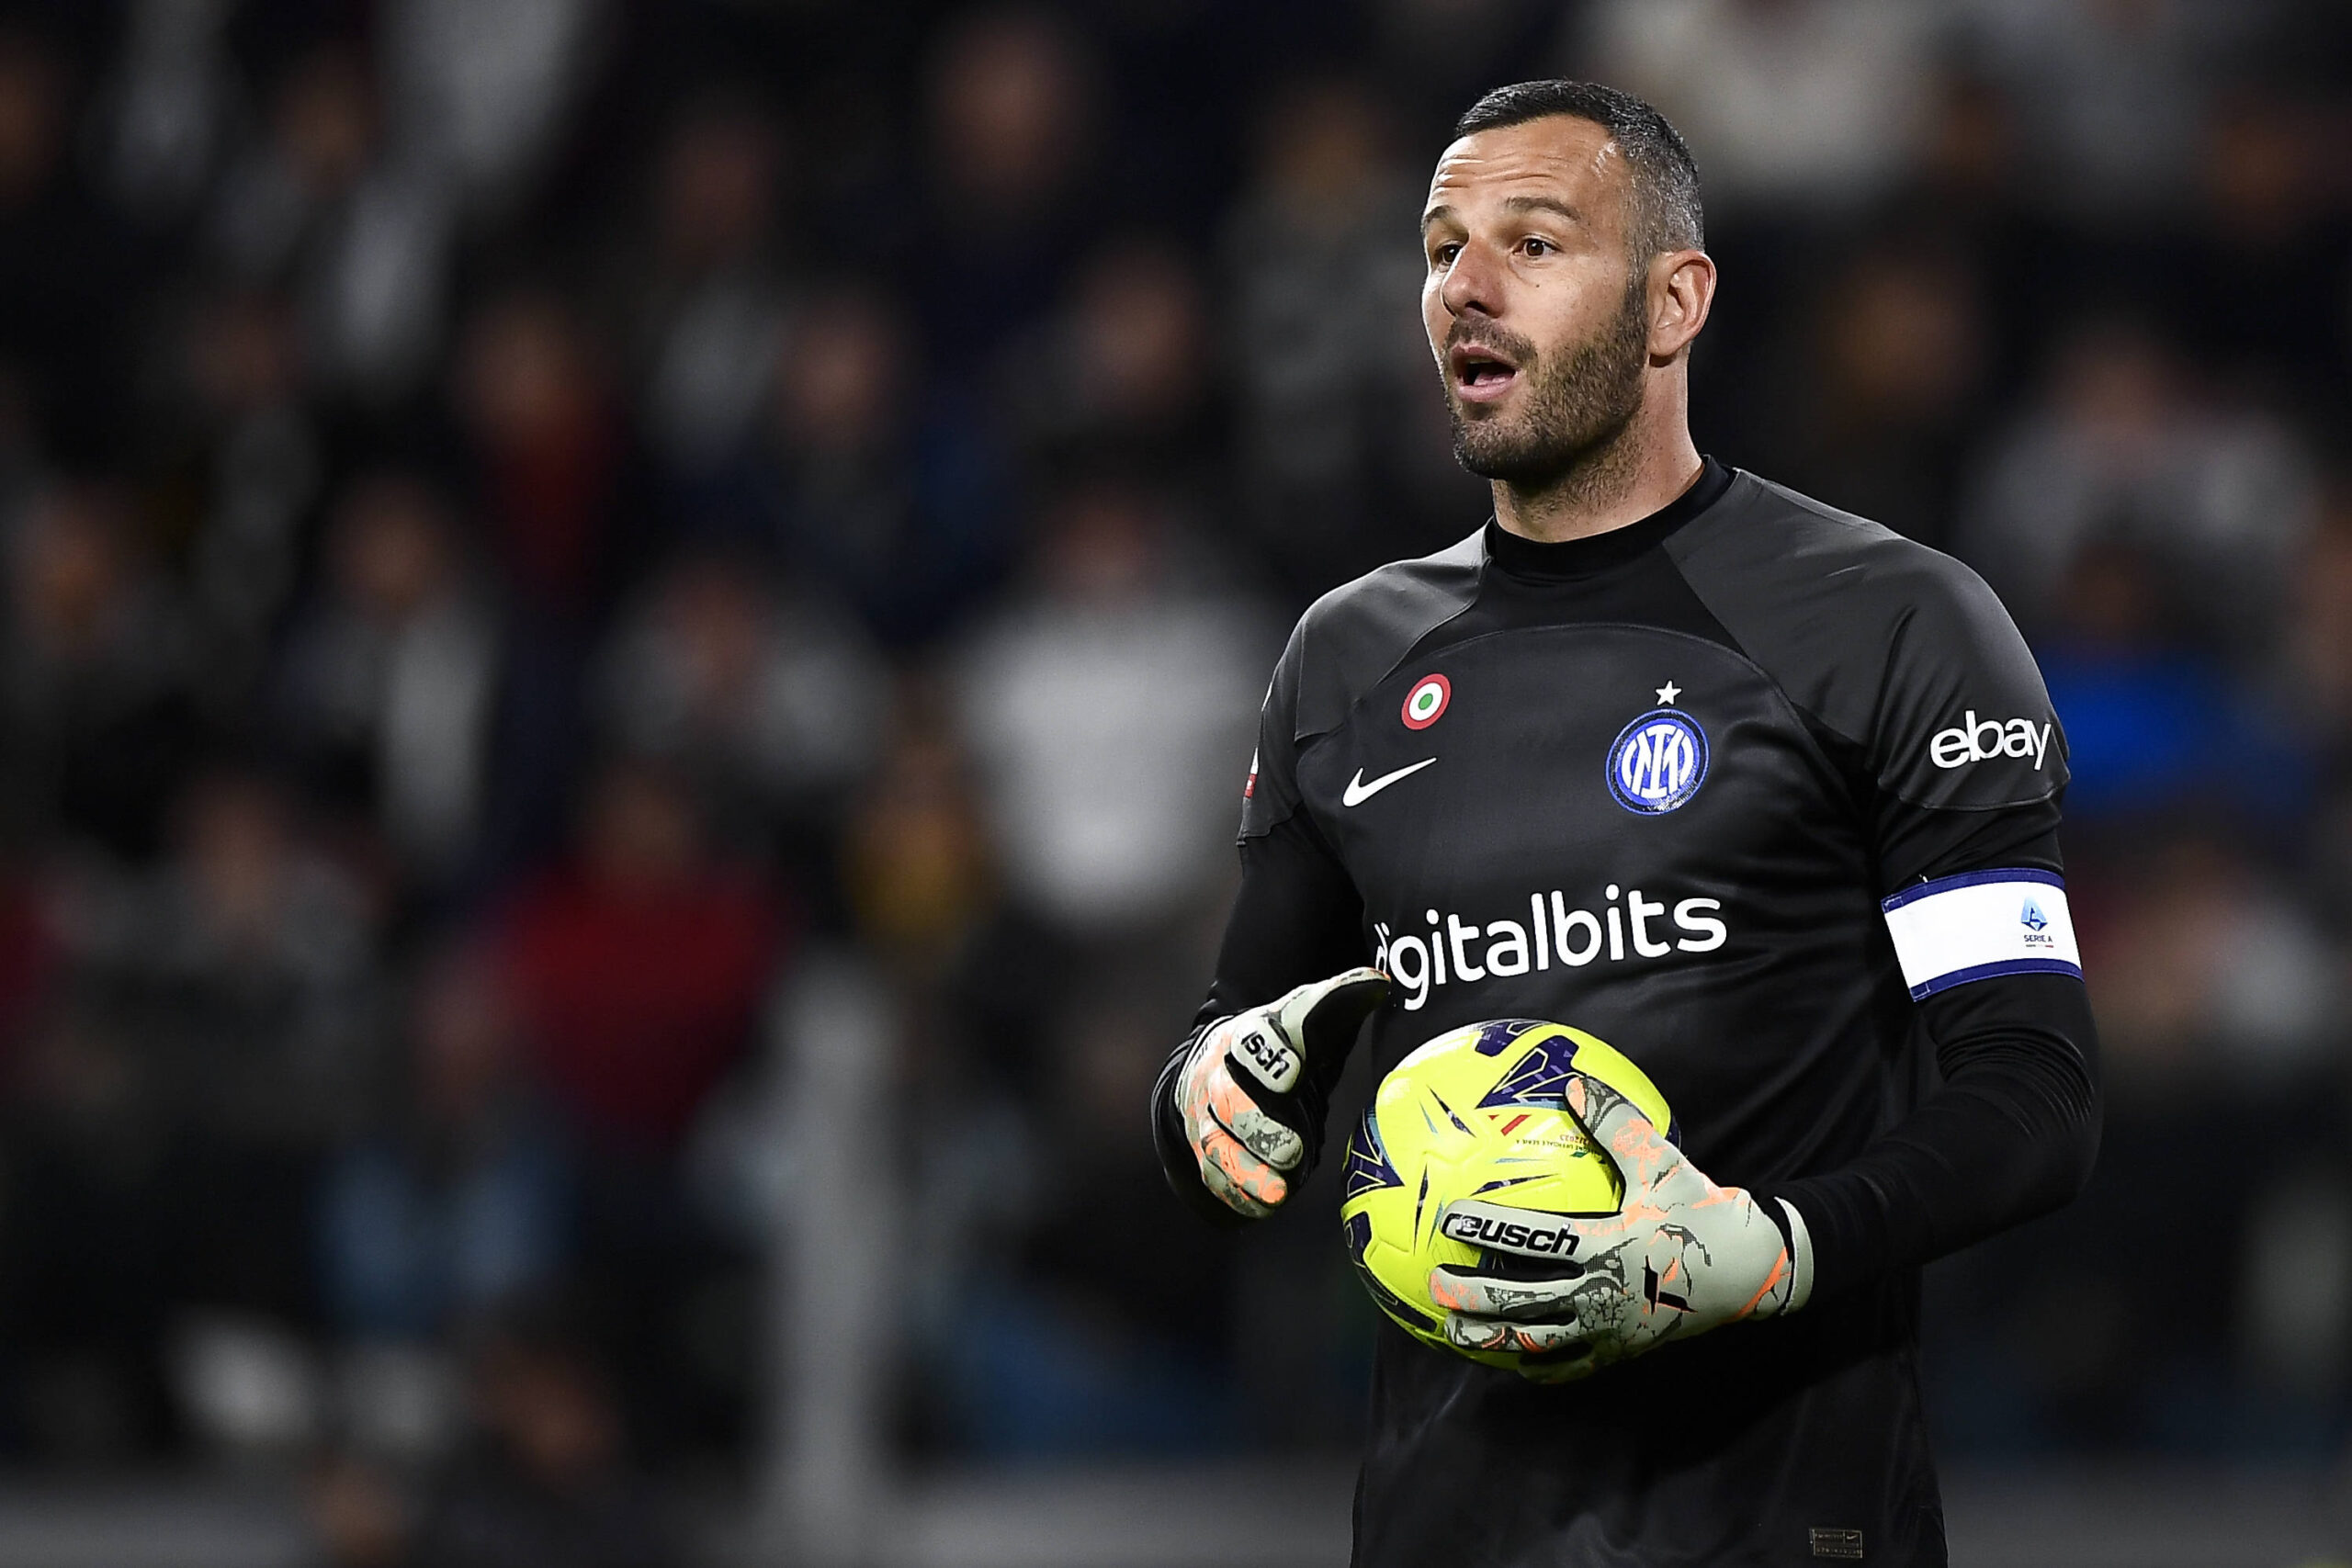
{"type": "Point", "coordinates": [1658, 762]}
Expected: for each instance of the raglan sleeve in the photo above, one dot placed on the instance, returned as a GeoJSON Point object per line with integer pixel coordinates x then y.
{"type": "Point", "coordinates": [1969, 764]}
{"type": "Point", "coordinates": [1297, 917]}
{"type": "Point", "coordinates": [1967, 774]}
{"type": "Point", "coordinates": [1270, 796]}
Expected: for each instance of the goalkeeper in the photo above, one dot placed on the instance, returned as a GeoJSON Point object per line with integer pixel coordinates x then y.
{"type": "Point", "coordinates": [1761, 793]}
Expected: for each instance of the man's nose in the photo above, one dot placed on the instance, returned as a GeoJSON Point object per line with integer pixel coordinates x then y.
{"type": "Point", "coordinates": [1474, 281]}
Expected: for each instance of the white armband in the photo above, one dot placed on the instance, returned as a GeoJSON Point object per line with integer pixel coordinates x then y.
{"type": "Point", "coordinates": [1980, 924]}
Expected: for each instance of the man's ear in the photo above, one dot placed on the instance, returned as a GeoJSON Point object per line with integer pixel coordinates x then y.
{"type": "Point", "coordinates": [1682, 290]}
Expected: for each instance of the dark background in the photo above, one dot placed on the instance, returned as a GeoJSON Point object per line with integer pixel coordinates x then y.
{"type": "Point", "coordinates": [527, 524]}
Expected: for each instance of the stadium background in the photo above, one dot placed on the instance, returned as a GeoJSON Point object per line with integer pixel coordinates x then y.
{"type": "Point", "coordinates": [630, 634]}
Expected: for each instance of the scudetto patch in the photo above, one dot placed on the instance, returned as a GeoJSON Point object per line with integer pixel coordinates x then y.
{"type": "Point", "coordinates": [1426, 703]}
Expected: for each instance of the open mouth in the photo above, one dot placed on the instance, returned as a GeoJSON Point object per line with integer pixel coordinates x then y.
{"type": "Point", "coordinates": [1480, 375]}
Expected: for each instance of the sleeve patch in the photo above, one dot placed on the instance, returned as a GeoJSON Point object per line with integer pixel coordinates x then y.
{"type": "Point", "coordinates": [1979, 925]}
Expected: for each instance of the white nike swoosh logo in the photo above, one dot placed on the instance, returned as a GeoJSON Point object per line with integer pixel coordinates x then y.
{"type": "Point", "coordinates": [1358, 791]}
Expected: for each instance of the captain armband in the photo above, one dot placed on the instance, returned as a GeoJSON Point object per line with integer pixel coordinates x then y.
{"type": "Point", "coordinates": [1979, 925]}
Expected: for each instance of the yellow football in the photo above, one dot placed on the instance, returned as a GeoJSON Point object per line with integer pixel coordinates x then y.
{"type": "Point", "coordinates": [1477, 1112]}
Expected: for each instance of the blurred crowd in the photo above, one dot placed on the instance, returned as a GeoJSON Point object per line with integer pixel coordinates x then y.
{"type": "Point", "coordinates": [524, 521]}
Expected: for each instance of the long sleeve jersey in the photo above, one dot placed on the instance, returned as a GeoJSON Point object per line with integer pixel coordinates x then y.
{"type": "Point", "coordinates": [1766, 796]}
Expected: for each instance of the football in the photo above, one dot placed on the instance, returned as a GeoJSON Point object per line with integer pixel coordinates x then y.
{"type": "Point", "coordinates": [1477, 1112]}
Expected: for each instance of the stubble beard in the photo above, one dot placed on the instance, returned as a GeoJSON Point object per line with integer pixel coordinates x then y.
{"type": "Point", "coordinates": [1569, 437]}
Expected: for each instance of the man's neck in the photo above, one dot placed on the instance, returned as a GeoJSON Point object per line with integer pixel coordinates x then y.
{"type": "Point", "coordinates": [1639, 473]}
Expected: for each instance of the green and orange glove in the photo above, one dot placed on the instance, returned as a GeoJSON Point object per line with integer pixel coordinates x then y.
{"type": "Point", "coordinates": [1680, 1256]}
{"type": "Point", "coordinates": [1244, 1092]}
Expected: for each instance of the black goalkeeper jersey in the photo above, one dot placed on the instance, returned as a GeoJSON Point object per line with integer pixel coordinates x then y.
{"type": "Point", "coordinates": [1764, 795]}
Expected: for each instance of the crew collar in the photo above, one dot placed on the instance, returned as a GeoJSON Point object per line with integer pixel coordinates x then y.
{"type": "Point", "coordinates": [1594, 553]}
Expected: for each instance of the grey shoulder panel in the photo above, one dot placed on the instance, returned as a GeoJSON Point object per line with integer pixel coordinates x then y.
{"type": "Point", "coordinates": [1893, 646]}
{"type": "Point", "coordinates": [1355, 635]}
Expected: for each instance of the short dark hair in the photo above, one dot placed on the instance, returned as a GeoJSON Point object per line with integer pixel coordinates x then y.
{"type": "Point", "coordinates": [1665, 208]}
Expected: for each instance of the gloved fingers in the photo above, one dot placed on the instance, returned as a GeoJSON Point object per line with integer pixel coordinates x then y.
{"type": "Point", "coordinates": [1193, 1084]}
{"type": "Point", "coordinates": [1256, 1051]}
{"type": "Point", "coordinates": [1482, 1295]}
{"type": "Point", "coordinates": [1261, 1132]}
{"type": "Point", "coordinates": [1236, 1177]}
{"type": "Point", "coordinates": [1642, 1157]}
{"type": "Point", "coordinates": [1562, 1339]}
{"type": "Point", "coordinates": [1262, 1135]}
{"type": "Point", "coordinates": [1207, 1097]}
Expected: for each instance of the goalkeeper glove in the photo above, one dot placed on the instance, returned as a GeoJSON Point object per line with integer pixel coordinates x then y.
{"type": "Point", "coordinates": [1251, 1105]}
{"type": "Point", "coordinates": [1680, 1256]}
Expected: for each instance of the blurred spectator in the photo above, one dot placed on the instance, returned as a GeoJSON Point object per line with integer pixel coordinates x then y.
{"type": "Point", "coordinates": [875, 487]}
{"type": "Point", "coordinates": [1343, 458]}
{"type": "Point", "coordinates": [712, 305]}
{"type": "Point", "coordinates": [2269, 227]}
{"type": "Point", "coordinates": [1809, 104]}
{"type": "Point", "coordinates": [917, 869]}
{"type": "Point", "coordinates": [249, 958]}
{"type": "Point", "coordinates": [2294, 1316]}
{"type": "Point", "coordinates": [88, 1155]}
{"type": "Point", "coordinates": [381, 294]}
{"type": "Point", "coordinates": [546, 449]}
{"type": "Point", "coordinates": [1013, 124]}
{"type": "Point", "coordinates": [1897, 357]}
{"type": "Point", "coordinates": [639, 970]}
{"type": "Point", "coordinates": [1108, 1340]}
{"type": "Point", "coordinates": [462, 1204]}
{"type": "Point", "coordinates": [770, 705]}
{"type": "Point", "coordinates": [2118, 447]}
{"type": "Point", "coordinates": [63, 271]}
{"type": "Point", "coordinates": [276, 204]}
{"type": "Point", "coordinates": [93, 687]}
{"type": "Point", "coordinates": [1968, 154]}
{"type": "Point", "coordinates": [478, 88]}
{"type": "Point", "coordinates": [2110, 91]}
{"type": "Point", "coordinates": [548, 1486]}
{"type": "Point", "coordinates": [2154, 724]}
{"type": "Point", "coordinates": [359, 233]}
{"type": "Point", "coordinates": [170, 108]}
{"type": "Point", "coordinates": [241, 473]}
{"type": "Point", "coordinates": [2206, 972]}
{"type": "Point", "coordinates": [1110, 711]}
{"type": "Point", "coordinates": [391, 676]}
{"type": "Point", "coordinates": [229, 1037]}
{"type": "Point", "coordinates": [637, 967]}
{"type": "Point", "coordinates": [1121, 377]}
{"type": "Point", "coordinates": [358, 1512]}
{"type": "Point", "coordinates": [1096, 1239]}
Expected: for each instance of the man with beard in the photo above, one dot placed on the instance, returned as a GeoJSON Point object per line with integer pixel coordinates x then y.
{"type": "Point", "coordinates": [1761, 793]}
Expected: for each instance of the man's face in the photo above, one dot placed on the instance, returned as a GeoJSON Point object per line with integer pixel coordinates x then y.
{"type": "Point", "coordinates": [1535, 310]}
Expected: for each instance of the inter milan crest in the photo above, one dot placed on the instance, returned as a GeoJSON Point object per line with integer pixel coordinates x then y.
{"type": "Point", "coordinates": [1657, 761]}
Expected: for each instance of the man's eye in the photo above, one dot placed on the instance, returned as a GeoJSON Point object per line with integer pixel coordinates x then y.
{"type": "Point", "coordinates": [1537, 247]}
{"type": "Point", "coordinates": [1443, 255]}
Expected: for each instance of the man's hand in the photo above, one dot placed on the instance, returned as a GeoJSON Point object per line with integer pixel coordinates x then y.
{"type": "Point", "coordinates": [1680, 1256]}
{"type": "Point", "coordinates": [1238, 1092]}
